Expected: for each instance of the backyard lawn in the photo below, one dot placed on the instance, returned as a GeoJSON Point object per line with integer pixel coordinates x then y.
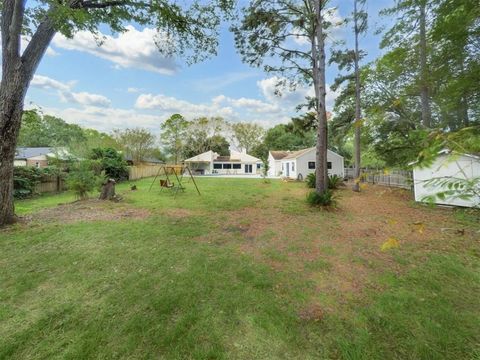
{"type": "Point", "coordinates": [245, 271]}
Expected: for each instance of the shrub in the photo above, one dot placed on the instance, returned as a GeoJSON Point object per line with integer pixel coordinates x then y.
{"type": "Point", "coordinates": [326, 198]}
{"type": "Point", "coordinates": [334, 181]}
{"type": "Point", "coordinates": [25, 178]}
{"type": "Point", "coordinates": [111, 162]}
{"type": "Point", "coordinates": [82, 179]}
{"type": "Point", "coordinates": [310, 180]}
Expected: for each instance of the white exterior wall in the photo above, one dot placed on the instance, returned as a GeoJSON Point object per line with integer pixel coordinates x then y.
{"type": "Point", "coordinates": [445, 166]}
{"type": "Point", "coordinates": [301, 164]}
{"type": "Point", "coordinates": [20, 163]}
{"type": "Point", "coordinates": [274, 166]}
{"type": "Point", "coordinates": [240, 171]}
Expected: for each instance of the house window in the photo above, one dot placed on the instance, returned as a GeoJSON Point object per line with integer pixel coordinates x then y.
{"type": "Point", "coordinates": [311, 165]}
{"type": "Point", "coordinates": [259, 166]}
{"type": "Point", "coordinates": [37, 164]}
{"type": "Point", "coordinates": [227, 166]}
{"type": "Point", "coordinates": [217, 166]}
{"type": "Point", "coordinates": [237, 166]}
{"type": "Point", "coordinates": [293, 166]}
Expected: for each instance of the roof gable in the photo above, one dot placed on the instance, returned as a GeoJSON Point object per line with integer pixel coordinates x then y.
{"type": "Point", "coordinates": [279, 155]}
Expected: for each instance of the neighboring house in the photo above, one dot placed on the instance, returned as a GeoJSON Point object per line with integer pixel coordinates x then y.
{"type": "Point", "coordinates": [446, 165]}
{"type": "Point", "coordinates": [238, 163]}
{"type": "Point", "coordinates": [37, 156]}
{"type": "Point", "coordinates": [298, 164]}
{"type": "Point", "coordinates": [275, 162]}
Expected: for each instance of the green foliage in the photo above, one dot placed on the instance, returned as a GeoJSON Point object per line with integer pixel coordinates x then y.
{"type": "Point", "coordinates": [25, 178]}
{"type": "Point", "coordinates": [204, 134]}
{"type": "Point", "coordinates": [326, 198]}
{"type": "Point", "coordinates": [82, 179]}
{"type": "Point", "coordinates": [334, 181]}
{"type": "Point", "coordinates": [454, 188]}
{"type": "Point", "coordinates": [110, 162]}
{"type": "Point", "coordinates": [44, 130]}
{"type": "Point", "coordinates": [137, 144]}
{"type": "Point", "coordinates": [248, 135]}
{"type": "Point", "coordinates": [173, 134]}
{"type": "Point", "coordinates": [310, 180]}
{"type": "Point", "coordinates": [187, 30]}
{"type": "Point", "coordinates": [287, 137]}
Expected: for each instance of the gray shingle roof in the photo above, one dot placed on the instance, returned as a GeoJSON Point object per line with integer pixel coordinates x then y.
{"type": "Point", "coordinates": [29, 152]}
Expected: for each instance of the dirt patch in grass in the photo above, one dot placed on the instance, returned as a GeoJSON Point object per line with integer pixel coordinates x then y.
{"type": "Point", "coordinates": [339, 251]}
{"type": "Point", "coordinates": [88, 210]}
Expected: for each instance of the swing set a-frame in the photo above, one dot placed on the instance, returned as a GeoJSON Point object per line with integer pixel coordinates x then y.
{"type": "Point", "coordinates": [168, 171]}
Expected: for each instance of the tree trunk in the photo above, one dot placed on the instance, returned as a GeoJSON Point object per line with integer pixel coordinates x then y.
{"type": "Point", "coordinates": [17, 72]}
{"type": "Point", "coordinates": [12, 94]}
{"type": "Point", "coordinates": [358, 114]}
{"type": "Point", "coordinates": [318, 55]}
{"type": "Point", "coordinates": [424, 88]}
{"type": "Point", "coordinates": [108, 190]}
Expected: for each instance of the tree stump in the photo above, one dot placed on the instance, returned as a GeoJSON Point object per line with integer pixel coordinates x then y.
{"type": "Point", "coordinates": [108, 190]}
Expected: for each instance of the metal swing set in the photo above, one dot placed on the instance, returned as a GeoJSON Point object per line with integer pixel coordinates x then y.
{"type": "Point", "coordinates": [177, 186]}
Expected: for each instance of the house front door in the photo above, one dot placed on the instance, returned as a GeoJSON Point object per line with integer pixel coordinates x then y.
{"type": "Point", "coordinates": [288, 169]}
{"type": "Point", "coordinates": [248, 168]}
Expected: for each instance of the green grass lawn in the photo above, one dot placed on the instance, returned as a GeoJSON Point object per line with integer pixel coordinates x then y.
{"type": "Point", "coordinates": [245, 271]}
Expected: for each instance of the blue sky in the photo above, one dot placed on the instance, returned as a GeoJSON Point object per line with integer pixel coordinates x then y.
{"type": "Point", "coordinates": [127, 83]}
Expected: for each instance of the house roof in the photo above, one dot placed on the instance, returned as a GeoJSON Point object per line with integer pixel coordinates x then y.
{"type": "Point", "coordinates": [207, 156]}
{"type": "Point", "coordinates": [447, 152]}
{"type": "Point", "coordinates": [29, 152]}
{"type": "Point", "coordinates": [211, 156]}
{"type": "Point", "coordinates": [279, 155]}
{"type": "Point", "coordinates": [298, 153]}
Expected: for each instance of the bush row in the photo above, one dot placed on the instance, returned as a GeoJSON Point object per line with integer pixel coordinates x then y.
{"type": "Point", "coordinates": [81, 176]}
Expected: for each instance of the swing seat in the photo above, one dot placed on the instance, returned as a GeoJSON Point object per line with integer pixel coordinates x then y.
{"type": "Point", "coordinates": [166, 184]}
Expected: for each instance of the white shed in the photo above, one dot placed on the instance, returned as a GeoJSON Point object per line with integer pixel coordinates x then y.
{"type": "Point", "coordinates": [298, 164]}
{"type": "Point", "coordinates": [446, 165]}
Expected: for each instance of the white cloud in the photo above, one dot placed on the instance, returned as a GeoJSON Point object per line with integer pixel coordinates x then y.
{"type": "Point", "coordinates": [86, 99]}
{"type": "Point", "coordinates": [291, 97]}
{"type": "Point", "coordinates": [131, 49]}
{"type": "Point", "coordinates": [66, 94]}
{"type": "Point", "coordinates": [134, 90]}
{"type": "Point", "coordinates": [151, 109]}
{"type": "Point", "coordinates": [44, 82]}
{"type": "Point", "coordinates": [216, 83]}
{"type": "Point", "coordinates": [168, 104]}
{"type": "Point", "coordinates": [335, 33]}
{"type": "Point", "coordinates": [106, 119]}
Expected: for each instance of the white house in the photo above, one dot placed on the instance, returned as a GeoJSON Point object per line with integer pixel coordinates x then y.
{"type": "Point", "coordinates": [275, 162]}
{"type": "Point", "coordinates": [446, 165]}
{"type": "Point", "coordinates": [298, 164]}
{"type": "Point", "coordinates": [238, 163]}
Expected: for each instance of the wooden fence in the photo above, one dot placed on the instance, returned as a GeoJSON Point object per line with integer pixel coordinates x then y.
{"type": "Point", "coordinates": [393, 178]}
{"type": "Point", "coordinates": [142, 171]}
{"type": "Point", "coordinates": [52, 183]}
